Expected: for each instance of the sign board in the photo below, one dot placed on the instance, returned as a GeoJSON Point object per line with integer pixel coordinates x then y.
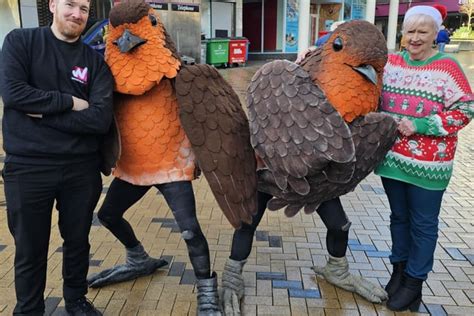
{"type": "Point", "coordinates": [291, 29]}
{"type": "Point", "coordinates": [184, 7]}
{"type": "Point", "coordinates": [358, 9]}
{"type": "Point", "coordinates": [158, 5]}
{"type": "Point", "coordinates": [155, 4]}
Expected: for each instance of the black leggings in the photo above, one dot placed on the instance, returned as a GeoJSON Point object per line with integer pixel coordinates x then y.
{"type": "Point", "coordinates": [331, 212]}
{"type": "Point", "coordinates": [180, 198]}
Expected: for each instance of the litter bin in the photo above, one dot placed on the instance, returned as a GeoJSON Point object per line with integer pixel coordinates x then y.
{"type": "Point", "coordinates": [238, 50]}
{"type": "Point", "coordinates": [217, 51]}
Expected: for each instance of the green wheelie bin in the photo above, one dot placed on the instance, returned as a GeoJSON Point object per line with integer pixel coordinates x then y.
{"type": "Point", "coordinates": [217, 52]}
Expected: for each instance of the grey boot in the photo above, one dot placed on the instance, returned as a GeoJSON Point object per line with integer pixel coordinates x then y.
{"type": "Point", "coordinates": [138, 263]}
{"type": "Point", "coordinates": [207, 297]}
{"type": "Point", "coordinates": [336, 272]}
{"type": "Point", "coordinates": [233, 287]}
{"type": "Point", "coordinates": [138, 257]}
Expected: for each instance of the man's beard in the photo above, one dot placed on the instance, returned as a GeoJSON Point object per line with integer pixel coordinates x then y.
{"type": "Point", "coordinates": [68, 29]}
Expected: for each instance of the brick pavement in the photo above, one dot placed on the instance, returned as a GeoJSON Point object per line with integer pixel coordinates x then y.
{"type": "Point", "coordinates": [278, 276]}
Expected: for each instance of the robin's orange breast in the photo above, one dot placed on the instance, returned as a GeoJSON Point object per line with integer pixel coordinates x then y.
{"type": "Point", "coordinates": [155, 148]}
{"type": "Point", "coordinates": [348, 92]}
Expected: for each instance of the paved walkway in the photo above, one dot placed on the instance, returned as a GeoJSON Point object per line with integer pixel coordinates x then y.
{"type": "Point", "coordinates": [278, 276]}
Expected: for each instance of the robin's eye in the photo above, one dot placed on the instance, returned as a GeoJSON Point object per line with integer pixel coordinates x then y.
{"type": "Point", "coordinates": [337, 44]}
{"type": "Point", "coordinates": [153, 20]}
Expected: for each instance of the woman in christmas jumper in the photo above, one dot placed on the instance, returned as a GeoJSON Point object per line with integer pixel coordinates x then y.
{"type": "Point", "coordinates": [430, 95]}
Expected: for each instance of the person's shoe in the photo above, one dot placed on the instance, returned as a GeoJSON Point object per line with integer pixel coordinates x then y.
{"type": "Point", "coordinates": [233, 287]}
{"type": "Point", "coordinates": [81, 307]}
{"type": "Point", "coordinates": [396, 278]}
{"type": "Point", "coordinates": [138, 263]}
{"type": "Point", "coordinates": [408, 295]}
{"type": "Point", "coordinates": [208, 297]}
{"type": "Point", "coordinates": [336, 272]}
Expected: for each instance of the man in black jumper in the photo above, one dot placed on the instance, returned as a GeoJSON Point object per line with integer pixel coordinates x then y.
{"type": "Point", "coordinates": [57, 95]}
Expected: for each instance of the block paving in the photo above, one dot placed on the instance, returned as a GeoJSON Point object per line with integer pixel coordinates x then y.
{"type": "Point", "coordinates": [278, 277]}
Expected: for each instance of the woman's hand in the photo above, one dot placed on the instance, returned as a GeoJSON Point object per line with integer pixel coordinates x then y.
{"type": "Point", "coordinates": [303, 54]}
{"type": "Point", "coordinates": [406, 127]}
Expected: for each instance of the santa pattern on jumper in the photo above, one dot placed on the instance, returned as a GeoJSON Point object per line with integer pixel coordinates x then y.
{"type": "Point", "coordinates": [435, 95]}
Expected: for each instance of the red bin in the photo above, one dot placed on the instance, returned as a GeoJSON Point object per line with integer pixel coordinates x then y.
{"type": "Point", "coordinates": [238, 51]}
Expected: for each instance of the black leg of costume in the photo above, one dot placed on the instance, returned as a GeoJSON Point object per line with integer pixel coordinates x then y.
{"type": "Point", "coordinates": [180, 198]}
{"type": "Point", "coordinates": [233, 285]}
{"type": "Point", "coordinates": [336, 270]}
{"type": "Point", "coordinates": [243, 237]}
{"type": "Point", "coordinates": [337, 223]}
{"type": "Point", "coordinates": [120, 197]}
{"type": "Point", "coordinates": [331, 212]}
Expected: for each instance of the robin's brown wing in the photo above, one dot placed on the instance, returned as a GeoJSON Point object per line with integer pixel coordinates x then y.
{"type": "Point", "coordinates": [218, 130]}
{"type": "Point", "coordinates": [373, 135]}
{"type": "Point", "coordinates": [312, 62]}
{"type": "Point", "coordinates": [169, 43]}
{"type": "Point", "coordinates": [296, 132]}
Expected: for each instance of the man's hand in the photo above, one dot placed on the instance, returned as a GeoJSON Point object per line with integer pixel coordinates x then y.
{"type": "Point", "coordinates": [79, 104]}
{"type": "Point", "coordinates": [303, 54]}
{"type": "Point", "coordinates": [35, 115]}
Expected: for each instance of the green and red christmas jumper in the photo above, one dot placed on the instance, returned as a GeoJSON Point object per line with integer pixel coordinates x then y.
{"type": "Point", "coordinates": [435, 95]}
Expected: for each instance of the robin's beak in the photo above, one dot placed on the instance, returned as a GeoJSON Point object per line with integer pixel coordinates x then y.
{"type": "Point", "coordinates": [368, 72]}
{"type": "Point", "coordinates": [128, 41]}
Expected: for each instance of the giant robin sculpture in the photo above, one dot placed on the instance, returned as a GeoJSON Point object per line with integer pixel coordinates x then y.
{"type": "Point", "coordinates": [315, 129]}
{"type": "Point", "coordinates": [161, 142]}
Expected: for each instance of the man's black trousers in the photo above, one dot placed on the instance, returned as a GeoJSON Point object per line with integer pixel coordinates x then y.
{"type": "Point", "coordinates": [30, 192]}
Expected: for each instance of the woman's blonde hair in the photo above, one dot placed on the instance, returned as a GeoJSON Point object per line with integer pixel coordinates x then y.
{"type": "Point", "coordinates": [417, 19]}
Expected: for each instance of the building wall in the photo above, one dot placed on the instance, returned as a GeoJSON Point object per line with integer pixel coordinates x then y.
{"type": "Point", "coordinates": [279, 26]}
{"type": "Point", "coordinates": [184, 27]}
{"type": "Point", "coordinates": [382, 10]}
{"type": "Point", "coordinates": [29, 15]}
{"type": "Point", "coordinates": [238, 18]}
{"type": "Point", "coordinates": [9, 17]}
{"type": "Point", "coordinates": [206, 18]}
{"type": "Point", "coordinates": [453, 20]}
{"type": "Point", "coordinates": [270, 25]}
{"type": "Point", "coordinates": [252, 21]}
{"type": "Point", "coordinates": [218, 13]}
{"type": "Point", "coordinates": [271, 38]}
{"type": "Point", "coordinates": [9, 20]}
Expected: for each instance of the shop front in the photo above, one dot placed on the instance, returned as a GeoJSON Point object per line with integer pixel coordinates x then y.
{"type": "Point", "coordinates": [273, 26]}
{"type": "Point", "coordinates": [182, 18]}
{"type": "Point", "coordinates": [453, 21]}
